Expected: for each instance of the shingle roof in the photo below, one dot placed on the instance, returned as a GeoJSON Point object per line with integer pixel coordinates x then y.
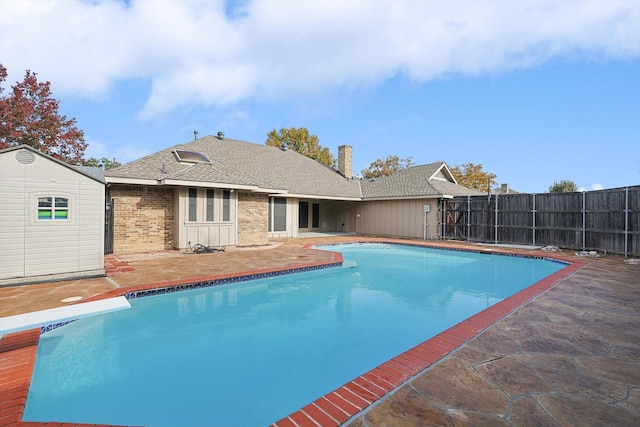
{"type": "Point", "coordinates": [92, 171]}
{"type": "Point", "coordinates": [433, 180]}
{"type": "Point", "coordinates": [504, 189]}
{"type": "Point", "coordinates": [270, 169]}
{"type": "Point", "coordinates": [239, 163]}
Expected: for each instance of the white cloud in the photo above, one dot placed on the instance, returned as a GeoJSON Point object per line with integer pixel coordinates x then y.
{"type": "Point", "coordinates": [193, 53]}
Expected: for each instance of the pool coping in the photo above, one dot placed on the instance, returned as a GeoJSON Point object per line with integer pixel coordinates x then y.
{"type": "Point", "coordinates": [19, 349]}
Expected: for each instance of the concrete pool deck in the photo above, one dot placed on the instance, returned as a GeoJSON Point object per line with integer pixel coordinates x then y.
{"type": "Point", "coordinates": [567, 354]}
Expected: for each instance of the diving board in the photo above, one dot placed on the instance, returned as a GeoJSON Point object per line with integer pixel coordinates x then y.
{"type": "Point", "coordinates": [52, 316]}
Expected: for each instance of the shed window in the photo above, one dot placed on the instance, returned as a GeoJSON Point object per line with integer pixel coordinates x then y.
{"type": "Point", "coordinates": [53, 208]}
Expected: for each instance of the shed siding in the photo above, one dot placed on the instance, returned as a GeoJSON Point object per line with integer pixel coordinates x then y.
{"type": "Point", "coordinates": [51, 247]}
{"type": "Point", "coordinates": [12, 223]}
{"type": "Point", "coordinates": [30, 247]}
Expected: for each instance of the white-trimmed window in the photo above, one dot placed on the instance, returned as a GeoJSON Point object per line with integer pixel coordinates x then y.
{"type": "Point", "coordinates": [193, 205]}
{"type": "Point", "coordinates": [207, 205]}
{"type": "Point", "coordinates": [52, 208]}
{"type": "Point", "coordinates": [210, 199]}
{"type": "Point", "coordinates": [277, 214]}
{"type": "Point", "coordinates": [226, 205]}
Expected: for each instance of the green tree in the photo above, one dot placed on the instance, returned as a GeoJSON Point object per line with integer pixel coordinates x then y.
{"type": "Point", "coordinates": [563, 186]}
{"type": "Point", "coordinates": [386, 167]}
{"type": "Point", "coordinates": [472, 176]}
{"type": "Point", "coordinates": [29, 115]}
{"type": "Point", "coordinates": [299, 139]}
{"type": "Point", "coordinates": [103, 163]}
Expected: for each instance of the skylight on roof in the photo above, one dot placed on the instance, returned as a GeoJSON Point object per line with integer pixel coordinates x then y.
{"type": "Point", "coordinates": [191, 156]}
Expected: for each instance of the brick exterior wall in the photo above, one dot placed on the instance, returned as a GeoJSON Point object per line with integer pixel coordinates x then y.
{"type": "Point", "coordinates": [253, 219]}
{"type": "Point", "coordinates": [143, 218]}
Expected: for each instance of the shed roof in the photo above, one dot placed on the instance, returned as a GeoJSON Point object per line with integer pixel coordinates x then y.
{"type": "Point", "coordinates": [94, 173]}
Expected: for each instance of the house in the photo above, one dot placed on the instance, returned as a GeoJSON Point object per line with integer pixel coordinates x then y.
{"type": "Point", "coordinates": [504, 189]}
{"type": "Point", "coordinates": [218, 192]}
{"type": "Point", "coordinates": [51, 218]}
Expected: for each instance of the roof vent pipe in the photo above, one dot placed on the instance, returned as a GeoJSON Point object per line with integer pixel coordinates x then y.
{"type": "Point", "coordinates": [283, 147]}
{"type": "Point", "coordinates": [220, 135]}
{"type": "Point", "coordinates": [195, 135]}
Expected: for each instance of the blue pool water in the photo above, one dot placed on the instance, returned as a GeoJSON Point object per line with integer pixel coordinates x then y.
{"type": "Point", "coordinates": [250, 353]}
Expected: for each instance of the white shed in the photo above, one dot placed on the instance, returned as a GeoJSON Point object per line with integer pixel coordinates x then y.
{"type": "Point", "coordinates": [51, 218]}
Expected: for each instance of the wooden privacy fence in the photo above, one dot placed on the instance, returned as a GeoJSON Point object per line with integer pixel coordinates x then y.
{"type": "Point", "coordinates": [604, 220]}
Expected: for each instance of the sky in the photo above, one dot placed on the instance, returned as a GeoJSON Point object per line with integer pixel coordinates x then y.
{"type": "Point", "coordinates": [534, 91]}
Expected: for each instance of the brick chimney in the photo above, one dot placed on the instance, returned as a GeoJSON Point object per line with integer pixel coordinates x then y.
{"type": "Point", "coordinates": [344, 161]}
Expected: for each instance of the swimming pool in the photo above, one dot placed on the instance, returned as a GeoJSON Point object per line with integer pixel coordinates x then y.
{"type": "Point", "coordinates": [250, 353]}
